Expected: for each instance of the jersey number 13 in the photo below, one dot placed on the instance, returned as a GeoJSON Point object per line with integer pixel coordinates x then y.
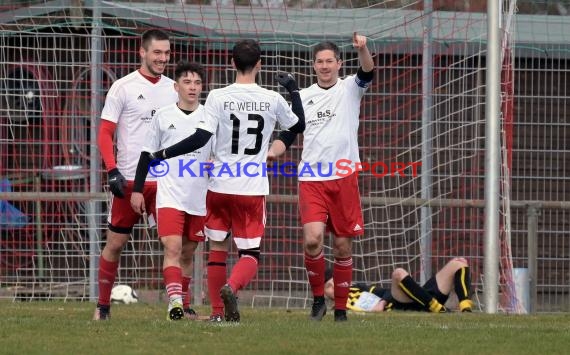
{"type": "Point", "coordinates": [255, 131]}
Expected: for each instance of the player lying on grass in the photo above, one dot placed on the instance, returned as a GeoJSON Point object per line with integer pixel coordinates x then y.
{"type": "Point", "coordinates": [406, 294]}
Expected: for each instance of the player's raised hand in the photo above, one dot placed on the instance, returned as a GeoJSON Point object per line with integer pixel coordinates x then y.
{"type": "Point", "coordinates": [287, 81]}
{"type": "Point", "coordinates": [358, 41]}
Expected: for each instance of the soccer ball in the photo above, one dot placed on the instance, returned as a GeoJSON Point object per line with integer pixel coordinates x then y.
{"type": "Point", "coordinates": [124, 294]}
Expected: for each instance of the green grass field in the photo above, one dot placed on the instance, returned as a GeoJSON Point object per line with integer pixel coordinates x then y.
{"type": "Point", "coordinates": [66, 328]}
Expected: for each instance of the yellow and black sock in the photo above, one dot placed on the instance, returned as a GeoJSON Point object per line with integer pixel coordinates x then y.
{"type": "Point", "coordinates": [462, 281]}
{"type": "Point", "coordinates": [415, 291]}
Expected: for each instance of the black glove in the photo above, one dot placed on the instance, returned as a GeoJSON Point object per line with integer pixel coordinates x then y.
{"type": "Point", "coordinates": [287, 81]}
{"type": "Point", "coordinates": [117, 183]}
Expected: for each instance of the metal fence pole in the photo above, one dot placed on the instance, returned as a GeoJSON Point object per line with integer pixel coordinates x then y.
{"type": "Point", "coordinates": [492, 157]}
{"type": "Point", "coordinates": [94, 159]}
{"type": "Point", "coordinates": [532, 228]}
{"type": "Point", "coordinates": [427, 138]}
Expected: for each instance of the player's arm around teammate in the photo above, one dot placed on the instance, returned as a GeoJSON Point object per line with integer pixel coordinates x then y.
{"type": "Point", "coordinates": [181, 198]}
{"type": "Point", "coordinates": [242, 116]}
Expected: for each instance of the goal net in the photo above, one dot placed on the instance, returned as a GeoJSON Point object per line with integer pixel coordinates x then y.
{"type": "Point", "coordinates": [421, 132]}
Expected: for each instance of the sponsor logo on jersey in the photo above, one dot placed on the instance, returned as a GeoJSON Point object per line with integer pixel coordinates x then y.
{"type": "Point", "coordinates": [310, 102]}
{"type": "Point", "coordinates": [148, 119]}
{"type": "Point", "coordinates": [141, 97]}
{"type": "Point", "coordinates": [171, 126]}
{"type": "Point", "coordinates": [357, 227]}
{"type": "Point", "coordinates": [325, 113]}
{"type": "Point", "coordinates": [320, 118]}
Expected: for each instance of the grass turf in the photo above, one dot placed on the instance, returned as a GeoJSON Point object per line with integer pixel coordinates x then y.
{"type": "Point", "coordinates": [67, 328]}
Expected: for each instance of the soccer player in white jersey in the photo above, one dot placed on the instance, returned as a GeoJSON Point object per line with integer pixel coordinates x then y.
{"type": "Point", "coordinates": [181, 195]}
{"type": "Point", "coordinates": [405, 294]}
{"type": "Point", "coordinates": [129, 109]}
{"type": "Point", "coordinates": [327, 197]}
{"type": "Point", "coordinates": [242, 116]}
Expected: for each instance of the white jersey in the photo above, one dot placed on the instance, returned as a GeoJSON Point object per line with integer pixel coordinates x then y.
{"type": "Point", "coordinates": [131, 103]}
{"type": "Point", "coordinates": [184, 185]}
{"type": "Point", "coordinates": [331, 129]}
{"type": "Point", "coordinates": [242, 117]}
{"type": "Point", "coordinates": [364, 302]}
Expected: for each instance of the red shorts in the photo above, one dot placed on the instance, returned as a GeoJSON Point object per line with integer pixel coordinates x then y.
{"type": "Point", "coordinates": [243, 215]}
{"type": "Point", "coordinates": [171, 221]}
{"type": "Point", "coordinates": [333, 202]}
{"type": "Point", "coordinates": [121, 217]}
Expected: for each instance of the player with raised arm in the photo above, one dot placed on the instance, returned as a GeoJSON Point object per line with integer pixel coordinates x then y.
{"type": "Point", "coordinates": [242, 116]}
{"type": "Point", "coordinates": [130, 106]}
{"type": "Point", "coordinates": [405, 294]}
{"type": "Point", "coordinates": [332, 110]}
{"type": "Point", "coordinates": [181, 196]}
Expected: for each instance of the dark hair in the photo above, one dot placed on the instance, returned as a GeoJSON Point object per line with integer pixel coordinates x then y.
{"type": "Point", "coordinates": [246, 53]}
{"type": "Point", "coordinates": [185, 66]}
{"type": "Point", "coordinates": [154, 34]}
{"type": "Point", "coordinates": [323, 46]}
{"type": "Point", "coordinates": [328, 274]}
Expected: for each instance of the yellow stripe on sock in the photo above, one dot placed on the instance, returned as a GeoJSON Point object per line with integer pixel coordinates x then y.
{"type": "Point", "coordinates": [410, 294]}
{"type": "Point", "coordinates": [463, 282]}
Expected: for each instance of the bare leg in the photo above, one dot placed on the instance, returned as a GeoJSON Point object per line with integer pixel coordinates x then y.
{"type": "Point", "coordinates": [444, 277]}
{"type": "Point", "coordinates": [397, 276]}
{"type": "Point", "coordinates": [313, 234]}
{"type": "Point", "coordinates": [114, 245]}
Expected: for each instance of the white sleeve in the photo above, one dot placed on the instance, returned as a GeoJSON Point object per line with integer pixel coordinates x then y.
{"type": "Point", "coordinates": [113, 106]}
{"type": "Point", "coordinates": [355, 89]}
{"type": "Point", "coordinates": [285, 115]}
{"type": "Point", "coordinates": [209, 121]}
{"type": "Point", "coordinates": [365, 303]}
